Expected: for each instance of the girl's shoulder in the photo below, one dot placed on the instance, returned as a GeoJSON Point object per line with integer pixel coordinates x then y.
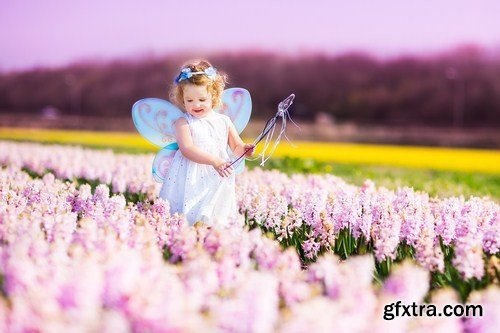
{"type": "Point", "coordinates": [224, 117]}
{"type": "Point", "coordinates": [181, 121]}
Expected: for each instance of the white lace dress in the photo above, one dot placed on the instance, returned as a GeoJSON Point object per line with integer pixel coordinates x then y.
{"type": "Point", "coordinates": [197, 190]}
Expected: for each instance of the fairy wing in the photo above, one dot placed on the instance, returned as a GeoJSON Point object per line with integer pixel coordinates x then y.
{"type": "Point", "coordinates": [237, 105]}
{"type": "Point", "coordinates": [162, 162]}
{"type": "Point", "coordinates": [154, 119]}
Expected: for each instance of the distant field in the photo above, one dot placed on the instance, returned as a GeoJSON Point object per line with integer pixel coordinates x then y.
{"type": "Point", "coordinates": [308, 130]}
{"type": "Point", "coordinates": [453, 159]}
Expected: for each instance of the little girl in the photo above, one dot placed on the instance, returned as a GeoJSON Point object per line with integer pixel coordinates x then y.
{"type": "Point", "coordinates": [199, 183]}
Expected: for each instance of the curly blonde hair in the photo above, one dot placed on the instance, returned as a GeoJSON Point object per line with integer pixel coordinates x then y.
{"type": "Point", "coordinates": [214, 86]}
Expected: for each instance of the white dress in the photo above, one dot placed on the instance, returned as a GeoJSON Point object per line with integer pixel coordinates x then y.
{"type": "Point", "coordinates": [197, 190]}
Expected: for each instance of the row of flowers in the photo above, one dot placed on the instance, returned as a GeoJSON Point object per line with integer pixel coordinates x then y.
{"type": "Point", "coordinates": [123, 172]}
{"type": "Point", "coordinates": [75, 260]}
{"type": "Point", "coordinates": [318, 213]}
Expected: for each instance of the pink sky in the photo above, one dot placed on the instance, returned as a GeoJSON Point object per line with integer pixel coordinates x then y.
{"type": "Point", "coordinates": [55, 32]}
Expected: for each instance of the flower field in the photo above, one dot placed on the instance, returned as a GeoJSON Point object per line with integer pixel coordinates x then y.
{"type": "Point", "coordinates": [86, 246]}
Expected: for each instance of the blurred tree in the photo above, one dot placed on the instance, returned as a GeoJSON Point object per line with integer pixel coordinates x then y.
{"type": "Point", "coordinates": [460, 88]}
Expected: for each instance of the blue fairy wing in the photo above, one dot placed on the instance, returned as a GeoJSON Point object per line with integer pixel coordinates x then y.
{"type": "Point", "coordinates": [237, 105]}
{"type": "Point", "coordinates": [154, 119]}
{"type": "Point", "coordinates": [162, 162]}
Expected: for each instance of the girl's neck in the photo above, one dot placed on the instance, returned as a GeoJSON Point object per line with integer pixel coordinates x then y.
{"type": "Point", "coordinates": [207, 115]}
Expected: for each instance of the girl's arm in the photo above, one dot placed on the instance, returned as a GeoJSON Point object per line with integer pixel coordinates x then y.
{"type": "Point", "coordinates": [195, 154]}
{"type": "Point", "coordinates": [237, 145]}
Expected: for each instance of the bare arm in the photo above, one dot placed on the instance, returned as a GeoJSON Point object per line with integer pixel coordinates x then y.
{"type": "Point", "coordinates": [195, 154]}
{"type": "Point", "coordinates": [237, 145]}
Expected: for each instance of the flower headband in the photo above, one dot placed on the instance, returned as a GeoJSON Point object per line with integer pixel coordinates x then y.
{"type": "Point", "coordinates": [186, 73]}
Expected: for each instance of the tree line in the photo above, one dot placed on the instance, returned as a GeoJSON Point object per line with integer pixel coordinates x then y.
{"type": "Point", "coordinates": [459, 88]}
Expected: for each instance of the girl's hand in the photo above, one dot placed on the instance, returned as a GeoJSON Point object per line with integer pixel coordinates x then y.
{"type": "Point", "coordinates": [220, 166]}
{"type": "Point", "coordinates": [251, 150]}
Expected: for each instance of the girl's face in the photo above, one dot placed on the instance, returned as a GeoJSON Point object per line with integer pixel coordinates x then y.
{"type": "Point", "coordinates": [197, 100]}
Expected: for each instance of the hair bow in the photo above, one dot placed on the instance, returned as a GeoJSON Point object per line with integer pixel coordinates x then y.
{"type": "Point", "coordinates": [186, 73]}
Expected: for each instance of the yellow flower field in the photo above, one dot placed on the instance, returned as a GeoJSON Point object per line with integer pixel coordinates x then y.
{"type": "Point", "coordinates": [472, 160]}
